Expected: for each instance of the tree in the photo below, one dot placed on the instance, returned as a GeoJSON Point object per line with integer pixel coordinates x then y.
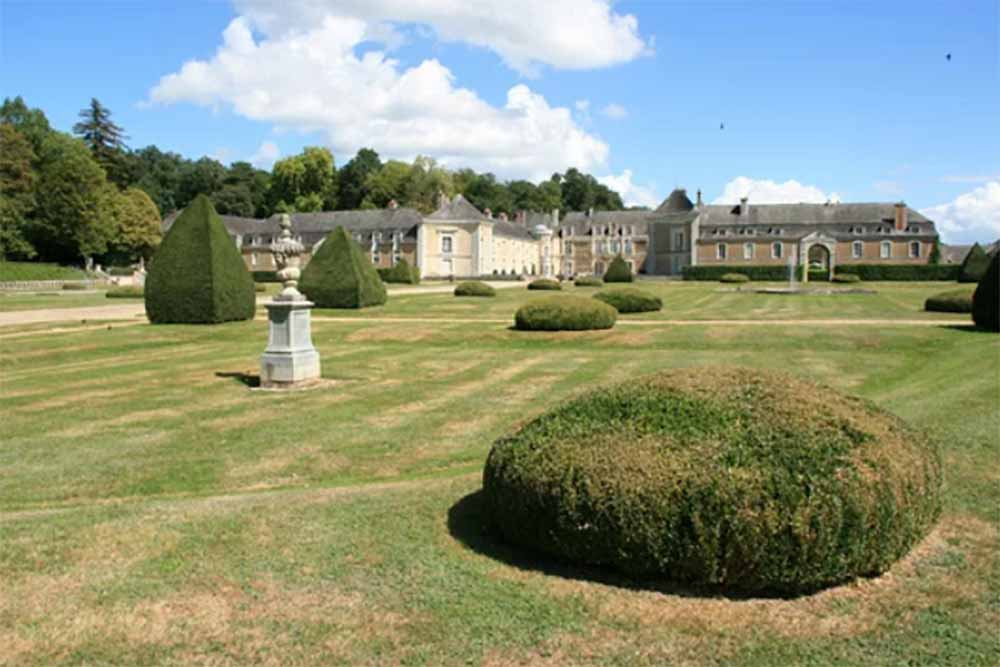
{"type": "Point", "coordinates": [105, 139]}
{"type": "Point", "coordinates": [387, 184]}
{"type": "Point", "coordinates": [424, 184]}
{"type": "Point", "coordinates": [354, 175]}
{"type": "Point", "coordinates": [70, 222]}
{"type": "Point", "coordinates": [17, 192]}
{"type": "Point", "coordinates": [136, 223]}
{"type": "Point", "coordinates": [304, 182]}
{"type": "Point", "coordinates": [935, 257]}
{"type": "Point", "coordinates": [31, 123]}
{"type": "Point", "coordinates": [159, 176]}
{"type": "Point", "coordinates": [203, 177]}
{"type": "Point", "coordinates": [484, 192]}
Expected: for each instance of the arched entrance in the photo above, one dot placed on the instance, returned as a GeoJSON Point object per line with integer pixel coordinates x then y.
{"type": "Point", "coordinates": [817, 253]}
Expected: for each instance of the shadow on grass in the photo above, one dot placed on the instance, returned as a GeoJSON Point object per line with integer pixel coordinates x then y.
{"type": "Point", "coordinates": [251, 380]}
{"type": "Point", "coordinates": [467, 524]}
{"type": "Point", "coordinates": [968, 328]}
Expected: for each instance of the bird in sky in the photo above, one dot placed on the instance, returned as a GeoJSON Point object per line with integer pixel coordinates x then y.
{"type": "Point", "coordinates": [722, 126]}
{"type": "Point", "coordinates": [948, 57]}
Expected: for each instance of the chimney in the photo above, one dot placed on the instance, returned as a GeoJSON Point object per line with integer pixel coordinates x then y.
{"type": "Point", "coordinates": [393, 204]}
{"type": "Point", "coordinates": [744, 207]}
{"type": "Point", "coordinates": [698, 201]}
{"type": "Point", "coordinates": [902, 217]}
{"type": "Point", "coordinates": [502, 216]}
{"type": "Point", "coordinates": [488, 213]}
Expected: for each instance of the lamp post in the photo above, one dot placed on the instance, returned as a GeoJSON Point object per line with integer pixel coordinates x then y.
{"type": "Point", "coordinates": [290, 360]}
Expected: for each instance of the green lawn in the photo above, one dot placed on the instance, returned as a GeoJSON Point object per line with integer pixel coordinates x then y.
{"type": "Point", "coordinates": [11, 301]}
{"type": "Point", "coordinates": [155, 511]}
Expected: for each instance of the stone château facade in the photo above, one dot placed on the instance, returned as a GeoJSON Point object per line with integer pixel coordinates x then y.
{"type": "Point", "coordinates": [460, 240]}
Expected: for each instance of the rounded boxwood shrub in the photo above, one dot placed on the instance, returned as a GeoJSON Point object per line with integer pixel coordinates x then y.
{"type": "Point", "coordinates": [630, 300]}
{"type": "Point", "coordinates": [846, 278]}
{"type": "Point", "coordinates": [986, 299]}
{"type": "Point", "coordinates": [588, 281]}
{"type": "Point", "coordinates": [544, 284]}
{"type": "Point", "coordinates": [402, 273]}
{"type": "Point", "coordinates": [564, 313]}
{"type": "Point", "coordinates": [340, 275]}
{"type": "Point", "coordinates": [952, 301]}
{"type": "Point", "coordinates": [197, 275]}
{"type": "Point", "coordinates": [728, 478]}
{"type": "Point", "coordinates": [618, 271]}
{"type": "Point", "coordinates": [734, 278]}
{"type": "Point", "coordinates": [474, 288]}
{"type": "Point", "coordinates": [125, 292]}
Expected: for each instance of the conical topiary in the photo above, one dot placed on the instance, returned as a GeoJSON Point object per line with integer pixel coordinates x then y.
{"type": "Point", "coordinates": [974, 265]}
{"type": "Point", "coordinates": [618, 271]}
{"type": "Point", "coordinates": [340, 275]}
{"type": "Point", "coordinates": [197, 275]}
{"type": "Point", "coordinates": [986, 298]}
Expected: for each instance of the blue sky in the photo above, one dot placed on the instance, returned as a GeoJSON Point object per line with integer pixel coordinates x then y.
{"type": "Point", "coordinates": [854, 100]}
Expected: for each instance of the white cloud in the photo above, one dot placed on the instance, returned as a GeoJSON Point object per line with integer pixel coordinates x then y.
{"type": "Point", "coordinates": [266, 155]}
{"type": "Point", "coordinates": [615, 111]}
{"type": "Point", "coordinates": [972, 216]}
{"type": "Point", "coordinates": [311, 79]}
{"type": "Point", "coordinates": [565, 34]}
{"type": "Point", "coordinates": [582, 105]}
{"type": "Point", "coordinates": [632, 194]}
{"type": "Point", "coordinates": [762, 191]}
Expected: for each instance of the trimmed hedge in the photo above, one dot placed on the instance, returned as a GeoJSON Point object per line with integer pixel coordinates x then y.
{"type": "Point", "coordinates": [730, 478]}
{"type": "Point", "coordinates": [544, 284]}
{"type": "Point", "coordinates": [265, 276]}
{"type": "Point", "coordinates": [474, 288]}
{"type": "Point", "coordinates": [890, 272]}
{"type": "Point", "coordinates": [734, 278]}
{"type": "Point", "coordinates": [125, 292]}
{"type": "Point", "coordinates": [401, 273]}
{"type": "Point", "coordinates": [197, 275]}
{"type": "Point", "coordinates": [630, 300]}
{"type": "Point", "coordinates": [76, 287]}
{"type": "Point", "coordinates": [986, 299]}
{"type": "Point", "coordinates": [952, 301]}
{"type": "Point", "coordinates": [819, 276]}
{"type": "Point", "coordinates": [775, 273]}
{"type": "Point", "coordinates": [340, 275]}
{"type": "Point", "coordinates": [846, 278]}
{"type": "Point", "coordinates": [564, 313]}
{"type": "Point", "coordinates": [24, 271]}
{"type": "Point", "coordinates": [588, 281]}
{"type": "Point", "coordinates": [618, 271]}
{"type": "Point", "coordinates": [974, 265]}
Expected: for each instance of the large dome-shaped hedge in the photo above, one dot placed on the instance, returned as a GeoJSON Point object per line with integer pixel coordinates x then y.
{"type": "Point", "coordinates": [197, 275]}
{"type": "Point", "coordinates": [340, 275]}
{"type": "Point", "coordinates": [720, 477]}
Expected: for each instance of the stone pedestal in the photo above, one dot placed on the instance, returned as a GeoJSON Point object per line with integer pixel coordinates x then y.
{"type": "Point", "coordinates": [290, 359]}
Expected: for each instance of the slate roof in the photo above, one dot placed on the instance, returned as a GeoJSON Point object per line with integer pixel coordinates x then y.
{"type": "Point", "coordinates": [805, 214]}
{"type": "Point", "coordinates": [313, 226]}
{"type": "Point", "coordinates": [677, 202]}
{"type": "Point", "coordinates": [458, 209]}
{"type": "Point", "coordinates": [580, 222]}
{"type": "Point", "coordinates": [512, 229]}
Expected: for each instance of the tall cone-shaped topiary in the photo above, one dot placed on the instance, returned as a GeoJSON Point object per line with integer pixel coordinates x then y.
{"type": "Point", "coordinates": [197, 275]}
{"type": "Point", "coordinates": [340, 275]}
{"type": "Point", "coordinates": [618, 271]}
{"type": "Point", "coordinates": [974, 265]}
{"type": "Point", "coordinates": [986, 299]}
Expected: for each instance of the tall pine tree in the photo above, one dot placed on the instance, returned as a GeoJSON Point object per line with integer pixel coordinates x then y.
{"type": "Point", "coordinates": [105, 139]}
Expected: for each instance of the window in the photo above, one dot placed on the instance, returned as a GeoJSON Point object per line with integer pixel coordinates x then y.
{"type": "Point", "coordinates": [915, 249]}
{"type": "Point", "coordinates": [446, 242]}
{"type": "Point", "coordinates": [857, 249]}
{"type": "Point", "coordinates": [777, 250]}
{"type": "Point", "coordinates": [616, 246]}
{"type": "Point", "coordinates": [720, 251]}
{"type": "Point", "coordinates": [396, 258]}
{"type": "Point", "coordinates": [747, 251]}
{"type": "Point", "coordinates": [569, 268]}
{"type": "Point", "coordinates": [679, 241]}
{"type": "Point", "coordinates": [375, 258]}
{"type": "Point", "coordinates": [569, 249]}
{"type": "Point", "coordinates": [885, 252]}
{"type": "Point", "coordinates": [628, 247]}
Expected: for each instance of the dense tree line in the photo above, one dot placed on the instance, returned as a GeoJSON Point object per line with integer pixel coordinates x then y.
{"type": "Point", "coordinates": [91, 197]}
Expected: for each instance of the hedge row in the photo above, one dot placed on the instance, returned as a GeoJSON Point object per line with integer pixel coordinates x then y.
{"type": "Point", "coordinates": [564, 313]}
{"type": "Point", "coordinates": [125, 292]}
{"type": "Point", "coordinates": [734, 278]}
{"type": "Point", "coordinates": [20, 271]}
{"type": "Point", "coordinates": [952, 301]}
{"type": "Point", "coordinates": [474, 288]}
{"type": "Point", "coordinates": [721, 477]}
{"type": "Point", "coordinates": [867, 272]}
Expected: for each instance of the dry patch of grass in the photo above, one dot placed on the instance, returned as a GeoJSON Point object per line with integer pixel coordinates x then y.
{"type": "Point", "coordinates": [393, 333]}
